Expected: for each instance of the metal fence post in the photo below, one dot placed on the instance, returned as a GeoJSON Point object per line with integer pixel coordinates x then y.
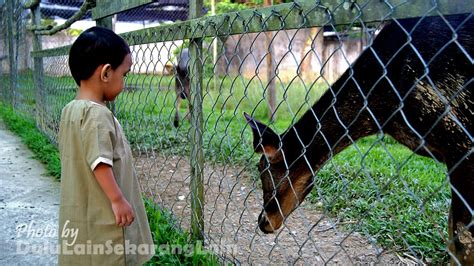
{"type": "Point", "coordinates": [197, 156]}
{"type": "Point", "coordinates": [38, 71]}
{"type": "Point", "coordinates": [11, 52]}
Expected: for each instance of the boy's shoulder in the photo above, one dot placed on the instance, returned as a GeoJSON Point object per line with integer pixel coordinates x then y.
{"type": "Point", "coordinates": [86, 108]}
{"type": "Point", "coordinates": [86, 105]}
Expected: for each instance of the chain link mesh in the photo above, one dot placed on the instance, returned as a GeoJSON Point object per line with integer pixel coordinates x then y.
{"type": "Point", "coordinates": [15, 63]}
{"type": "Point", "coordinates": [322, 89]}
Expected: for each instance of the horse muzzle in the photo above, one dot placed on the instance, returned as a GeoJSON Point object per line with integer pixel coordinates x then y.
{"type": "Point", "coordinates": [265, 225]}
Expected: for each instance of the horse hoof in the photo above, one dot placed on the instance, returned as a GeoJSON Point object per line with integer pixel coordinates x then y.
{"type": "Point", "coordinates": [176, 123]}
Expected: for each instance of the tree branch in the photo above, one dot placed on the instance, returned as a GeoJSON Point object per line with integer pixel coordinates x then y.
{"type": "Point", "coordinates": [50, 30]}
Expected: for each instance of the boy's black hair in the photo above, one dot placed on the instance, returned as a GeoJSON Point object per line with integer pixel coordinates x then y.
{"type": "Point", "coordinates": [94, 47]}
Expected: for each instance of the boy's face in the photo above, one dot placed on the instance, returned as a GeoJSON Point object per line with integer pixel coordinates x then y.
{"type": "Point", "coordinates": [116, 78]}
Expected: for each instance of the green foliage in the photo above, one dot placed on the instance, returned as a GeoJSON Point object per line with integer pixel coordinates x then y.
{"type": "Point", "coordinates": [173, 245]}
{"type": "Point", "coordinates": [74, 32]}
{"type": "Point", "coordinates": [48, 22]}
{"type": "Point", "coordinates": [226, 6]}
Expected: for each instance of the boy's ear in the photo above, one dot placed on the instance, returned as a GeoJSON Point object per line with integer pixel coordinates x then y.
{"type": "Point", "coordinates": [104, 76]}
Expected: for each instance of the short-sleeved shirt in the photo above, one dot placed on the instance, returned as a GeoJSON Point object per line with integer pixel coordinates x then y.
{"type": "Point", "coordinates": [90, 134]}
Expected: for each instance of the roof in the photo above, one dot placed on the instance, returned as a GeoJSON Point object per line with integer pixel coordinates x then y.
{"type": "Point", "coordinates": [159, 10]}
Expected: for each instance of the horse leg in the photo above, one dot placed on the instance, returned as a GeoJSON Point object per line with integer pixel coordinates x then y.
{"type": "Point", "coordinates": [176, 115]}
{"type": "Point", "coordinates": [461, 223]}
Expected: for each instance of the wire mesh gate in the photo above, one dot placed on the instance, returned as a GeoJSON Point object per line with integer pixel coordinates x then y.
{"type": "Point", "coordinates": [376, 201]}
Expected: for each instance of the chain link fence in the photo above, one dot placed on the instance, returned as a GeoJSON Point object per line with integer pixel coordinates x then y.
{"type": "Point", "coordinates": [361, 112]}
{"type": "Point", "coordinates": [15, 61]}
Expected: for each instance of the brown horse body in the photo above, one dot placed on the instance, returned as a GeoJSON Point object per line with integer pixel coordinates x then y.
{"type": "Point", "coordinates": [413, 83]}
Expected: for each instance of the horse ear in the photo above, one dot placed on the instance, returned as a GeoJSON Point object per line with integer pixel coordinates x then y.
{"type": "Point", "coordinates": [264, 139]}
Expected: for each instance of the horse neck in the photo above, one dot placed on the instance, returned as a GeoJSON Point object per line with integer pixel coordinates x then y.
{"type": "Point", "coordinates": [333, 123]}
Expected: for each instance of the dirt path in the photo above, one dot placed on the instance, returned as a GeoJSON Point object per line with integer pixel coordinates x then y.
{"type": "Point", "coordinates": [233, 202]}
{"type": "Point", "coordinates": [29, 203]}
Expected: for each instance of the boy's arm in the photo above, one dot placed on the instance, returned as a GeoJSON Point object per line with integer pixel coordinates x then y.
{"type": "Point", "coordinates": [123, 212]}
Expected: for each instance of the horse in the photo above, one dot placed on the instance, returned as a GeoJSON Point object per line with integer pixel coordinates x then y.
{"type": "Point", "coordinates": [181, 83]}
{"type": "Point", "coordinates": [413, 83]}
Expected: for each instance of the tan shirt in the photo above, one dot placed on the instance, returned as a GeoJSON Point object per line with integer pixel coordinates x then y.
{"type": "Point", "coordinates": [89, 134]}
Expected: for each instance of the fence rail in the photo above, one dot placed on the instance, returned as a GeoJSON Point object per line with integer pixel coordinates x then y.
{"type": "Point", "coordinates": [376, 201]}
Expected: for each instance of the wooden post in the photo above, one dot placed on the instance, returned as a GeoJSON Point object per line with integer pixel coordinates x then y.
{"type": "Point", "coordinates": [197, 156]}
{"type": "Point", "coordinates": [3, 87]}
{"type": "Point", "coordinates": [105, 22]}
{"type": "Point", "coordinates": [271, 94]}
{"type": "Point", "coordinates": [11, 52]}
{"type": "Point", "coordinates": [214, 46]}
{"type": "Point", "coordinates": [38, 71]}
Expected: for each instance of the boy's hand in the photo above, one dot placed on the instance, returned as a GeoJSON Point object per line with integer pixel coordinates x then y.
{"type": "Point", "coordinates": [123, 212]}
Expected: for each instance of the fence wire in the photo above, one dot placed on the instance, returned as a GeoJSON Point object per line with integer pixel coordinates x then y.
{"type": "Point", "coordinates": [364, 129]}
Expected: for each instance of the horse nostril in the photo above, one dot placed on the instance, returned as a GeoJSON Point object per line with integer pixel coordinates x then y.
{"type": "Point", "coordinates": [263, 223]}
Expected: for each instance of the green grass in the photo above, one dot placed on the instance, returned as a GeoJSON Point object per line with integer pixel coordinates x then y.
{"type": "Point", "coordinates": [148, 113]}
{"type": "Point", "coordinates": [24, 97]}
{"type": "Point", "coordinates": [162, 224]}
{"type": "Point", "coordinates": [174, 246]}
{"type": "Point", "coordinates": [38, 143]}
{"type": "Point", "coordinates": [400, 199]}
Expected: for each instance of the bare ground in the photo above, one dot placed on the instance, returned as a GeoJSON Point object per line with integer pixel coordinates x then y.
{"type": "Point", "coordinates": [233, 203]}
{"type": "Point", "coordinates": [29, 206]}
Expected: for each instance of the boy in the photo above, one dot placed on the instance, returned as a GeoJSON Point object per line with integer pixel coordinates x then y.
{"type": "Point", "coordinates": [102, 219]}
